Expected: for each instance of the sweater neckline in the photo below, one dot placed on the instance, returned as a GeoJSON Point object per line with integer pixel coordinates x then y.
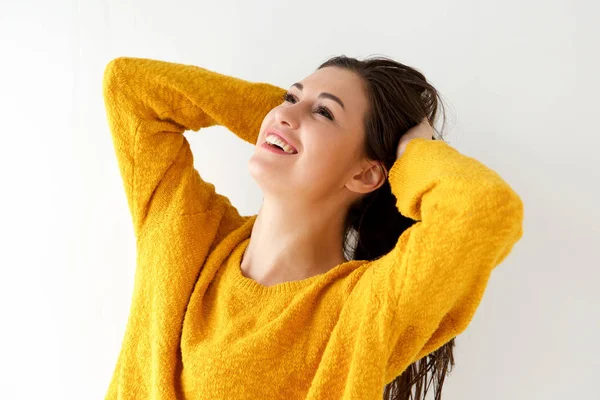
{"type": "Point", "coordinates": [234, 274]}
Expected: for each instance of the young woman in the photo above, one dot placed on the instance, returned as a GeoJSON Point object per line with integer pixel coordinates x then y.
{"type": "Point", "coordinates": [369, 255]}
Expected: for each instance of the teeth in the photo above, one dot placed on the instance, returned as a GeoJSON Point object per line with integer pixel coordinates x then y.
{"type": "Point", "coordinates": [272, 139]}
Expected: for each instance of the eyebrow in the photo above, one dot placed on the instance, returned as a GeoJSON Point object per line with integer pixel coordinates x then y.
{"type": "Point", "coordinates": [323, 94]}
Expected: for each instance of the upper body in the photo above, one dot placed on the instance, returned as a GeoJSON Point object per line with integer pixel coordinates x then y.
{"type": "Point", "coordinates": [199, 329]}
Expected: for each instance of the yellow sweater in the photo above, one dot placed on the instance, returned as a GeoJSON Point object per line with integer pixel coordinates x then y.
{"type": "Point", "coordinates": [199, 329]}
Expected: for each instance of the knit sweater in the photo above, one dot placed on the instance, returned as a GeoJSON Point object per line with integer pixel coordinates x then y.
{"type": "Point", "coordinates": [199, 329]}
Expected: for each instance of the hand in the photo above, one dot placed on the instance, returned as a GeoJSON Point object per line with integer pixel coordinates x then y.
{"type": "Point", "coordinates": [422, 130]}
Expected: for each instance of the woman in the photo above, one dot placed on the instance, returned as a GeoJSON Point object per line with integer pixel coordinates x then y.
{"type": "Point", "coordinates": [370, 253]}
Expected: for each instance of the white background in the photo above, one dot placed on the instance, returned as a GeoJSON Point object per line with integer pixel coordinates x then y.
{"type": "Point", "coordinates": [519, 77]}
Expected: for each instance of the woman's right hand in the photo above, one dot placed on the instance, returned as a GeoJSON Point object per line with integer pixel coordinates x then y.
{"type": "Point", "coordinates": [423, 130]}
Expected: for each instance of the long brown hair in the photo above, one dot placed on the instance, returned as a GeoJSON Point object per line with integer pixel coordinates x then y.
{"type": "Point", "coordinates": [399, 97]}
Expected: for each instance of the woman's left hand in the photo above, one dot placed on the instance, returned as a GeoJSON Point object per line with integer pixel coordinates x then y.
{"type": "Point", "coordinates": [423, 130]}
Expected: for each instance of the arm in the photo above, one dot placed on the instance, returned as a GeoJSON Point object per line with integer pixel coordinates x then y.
{"type": "Point", "coordinates": [427, 288]}
{"type": "Point", "coordinates": [149, 105]}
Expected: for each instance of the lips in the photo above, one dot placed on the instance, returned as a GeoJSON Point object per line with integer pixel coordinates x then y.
{"type": "Point", "coordinates": [282, 136]}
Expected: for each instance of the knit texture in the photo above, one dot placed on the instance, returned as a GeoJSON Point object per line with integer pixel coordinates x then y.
{"type": "Point", "coordinates": [199, 329]}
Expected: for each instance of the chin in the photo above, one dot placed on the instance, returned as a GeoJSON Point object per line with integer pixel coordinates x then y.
{"type": "Point", "coordinates": [270, 179]}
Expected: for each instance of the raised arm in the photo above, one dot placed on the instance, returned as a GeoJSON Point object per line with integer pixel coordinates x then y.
{"type": "Point", "coordinates": [426, 289]}
{"type": "Point", "coordinates": [149, 105]}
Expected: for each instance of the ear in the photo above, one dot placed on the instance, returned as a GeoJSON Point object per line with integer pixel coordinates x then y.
{"type": "Point", "coordinates": [371, 176]}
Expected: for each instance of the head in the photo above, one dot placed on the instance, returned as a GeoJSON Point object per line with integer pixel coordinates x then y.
{"type": "Point", "coordinates": [346, 120]}
{"type": "Point", "coordinates": [323, 115]}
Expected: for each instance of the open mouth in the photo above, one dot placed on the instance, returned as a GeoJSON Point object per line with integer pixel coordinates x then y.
{"type": "Point", "coordinates": [274, 148]}
{"type": "Point", "coordinates": [277, 142]}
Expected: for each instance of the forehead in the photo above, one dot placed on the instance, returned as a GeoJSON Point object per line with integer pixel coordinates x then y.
{"type": "Point", "coordinates": [340, 82]}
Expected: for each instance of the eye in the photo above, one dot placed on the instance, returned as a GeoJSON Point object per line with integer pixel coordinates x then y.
{"type": "Point", "coordinates": [326, 114]}
{"type": "Point", "coordinates": [289, 97]}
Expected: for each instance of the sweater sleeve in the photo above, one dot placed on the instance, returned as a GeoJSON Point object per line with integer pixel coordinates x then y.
{"type": "Point", "coordinates": [149, 105]}
{"type": "Point", "coordinates": [427, 288]}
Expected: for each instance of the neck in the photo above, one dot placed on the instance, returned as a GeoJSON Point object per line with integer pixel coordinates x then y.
{"type": "Point", "coordinates": [288, 245]}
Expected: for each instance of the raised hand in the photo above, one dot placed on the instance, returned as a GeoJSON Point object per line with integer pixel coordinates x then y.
{"type": "Point", "coordinates": [422, 130]}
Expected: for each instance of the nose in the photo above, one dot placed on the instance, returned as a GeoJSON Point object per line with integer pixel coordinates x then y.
{"type": "Point", "coordinates": [288, 116]}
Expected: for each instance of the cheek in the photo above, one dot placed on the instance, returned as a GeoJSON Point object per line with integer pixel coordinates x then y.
{"type": "Point", "coordinates": [326, 161]}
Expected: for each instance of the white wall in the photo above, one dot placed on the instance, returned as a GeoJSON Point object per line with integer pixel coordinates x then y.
{"type": "Point", "coordinates": [520, 77]}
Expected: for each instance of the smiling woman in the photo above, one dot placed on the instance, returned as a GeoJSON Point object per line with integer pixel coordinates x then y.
{"type": "Point", "coordinates": [348, 117]}
{"type": "Point", "coordinates": [347, 284]}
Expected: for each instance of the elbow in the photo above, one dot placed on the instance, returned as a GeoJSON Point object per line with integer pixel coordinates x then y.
{"type": "Point", "coordinates": [112, 72]}
{"type": "Point", "coordinates": [508, 217]}
{"type": "Point", "coordinates": [501, 210]}
{"type": "Point", "coordinates": [109, 79]}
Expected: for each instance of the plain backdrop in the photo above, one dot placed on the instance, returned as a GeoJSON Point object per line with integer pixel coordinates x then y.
{"type": "Point", "coordinates": [519, 77]}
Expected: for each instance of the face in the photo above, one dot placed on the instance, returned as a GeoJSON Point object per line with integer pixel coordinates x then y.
{"type": "Point", "coordinates": [328, 136]}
